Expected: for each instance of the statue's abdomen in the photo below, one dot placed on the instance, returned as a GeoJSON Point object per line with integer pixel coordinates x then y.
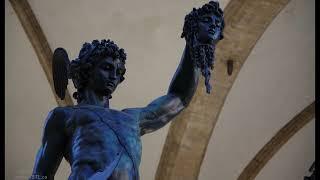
{"type": "Point", "coordinates": [93, 145]}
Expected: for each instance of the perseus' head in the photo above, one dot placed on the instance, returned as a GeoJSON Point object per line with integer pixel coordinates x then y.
{"type": "Point", "coordinates": [100, 67]}
{"type": "Point", "coordinates": [205, 23]}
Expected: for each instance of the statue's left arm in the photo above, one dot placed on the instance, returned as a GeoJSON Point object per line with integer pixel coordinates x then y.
{"type": "Point", "coordinates": [50, 153]}
{"type": "Point", "coordinates": [163, 109]}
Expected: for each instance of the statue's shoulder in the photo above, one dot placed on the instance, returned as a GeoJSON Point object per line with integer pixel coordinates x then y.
{"type": "Point", "coordinates": [73, 112]}
{"type": "Point", "coordinates": [61, 111]}
{"type": "Point", "coordinates": [132, 112]}
{"type": "Point", "coordinates": [81, 111]}
{"type": "Point", "coordinates": [56, 119]}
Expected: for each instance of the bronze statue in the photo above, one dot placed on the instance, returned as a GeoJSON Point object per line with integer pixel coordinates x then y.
{"type": "Point", "coordinates": [102, 143]}
{"type": "Point", "coordinates": [312, 170]}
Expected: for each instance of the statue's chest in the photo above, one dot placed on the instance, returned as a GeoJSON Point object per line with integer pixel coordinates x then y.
{"type": "Point", "coordinates": [113, 127]}
{"type": "Point", "coordinates": [117, 120]}
{"type": "Point", "coordinates": [127, 131]}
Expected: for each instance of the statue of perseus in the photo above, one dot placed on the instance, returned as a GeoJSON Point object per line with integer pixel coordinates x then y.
{"type": "Point", "coordinates": [101, 143]}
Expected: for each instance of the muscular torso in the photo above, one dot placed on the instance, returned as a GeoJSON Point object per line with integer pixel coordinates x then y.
{"type": "Point", "coordinates": [96, 136]}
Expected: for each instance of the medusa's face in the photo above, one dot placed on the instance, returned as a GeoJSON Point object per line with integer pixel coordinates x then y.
{"type": "Point", "coordinates": [106, 75]}
{"type": "Point", "coordinates": [209, 29]}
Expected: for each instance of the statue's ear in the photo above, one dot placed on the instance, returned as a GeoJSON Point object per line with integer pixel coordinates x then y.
{"type": "Point", "coordinates": [60, 68]}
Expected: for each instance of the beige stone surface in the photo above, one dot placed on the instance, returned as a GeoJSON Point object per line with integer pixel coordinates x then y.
{"type": "Point", "coordinates": [190, 133]}
{"type": "Point", "coordinates": [275, 83]}
{"type": "Point", "coordinates": [277, 142]}
{"type": "Point", "coordinates": [39, 43]}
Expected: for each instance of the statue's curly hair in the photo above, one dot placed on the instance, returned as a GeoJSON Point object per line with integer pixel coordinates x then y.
{"type": "Point", "coordinates": [89, 55]}
{"type": "Point", "coordinates": [192, 19]}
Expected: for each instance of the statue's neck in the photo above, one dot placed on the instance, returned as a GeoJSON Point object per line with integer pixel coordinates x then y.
{"type": "Point", "coordinates": [89, 97]}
